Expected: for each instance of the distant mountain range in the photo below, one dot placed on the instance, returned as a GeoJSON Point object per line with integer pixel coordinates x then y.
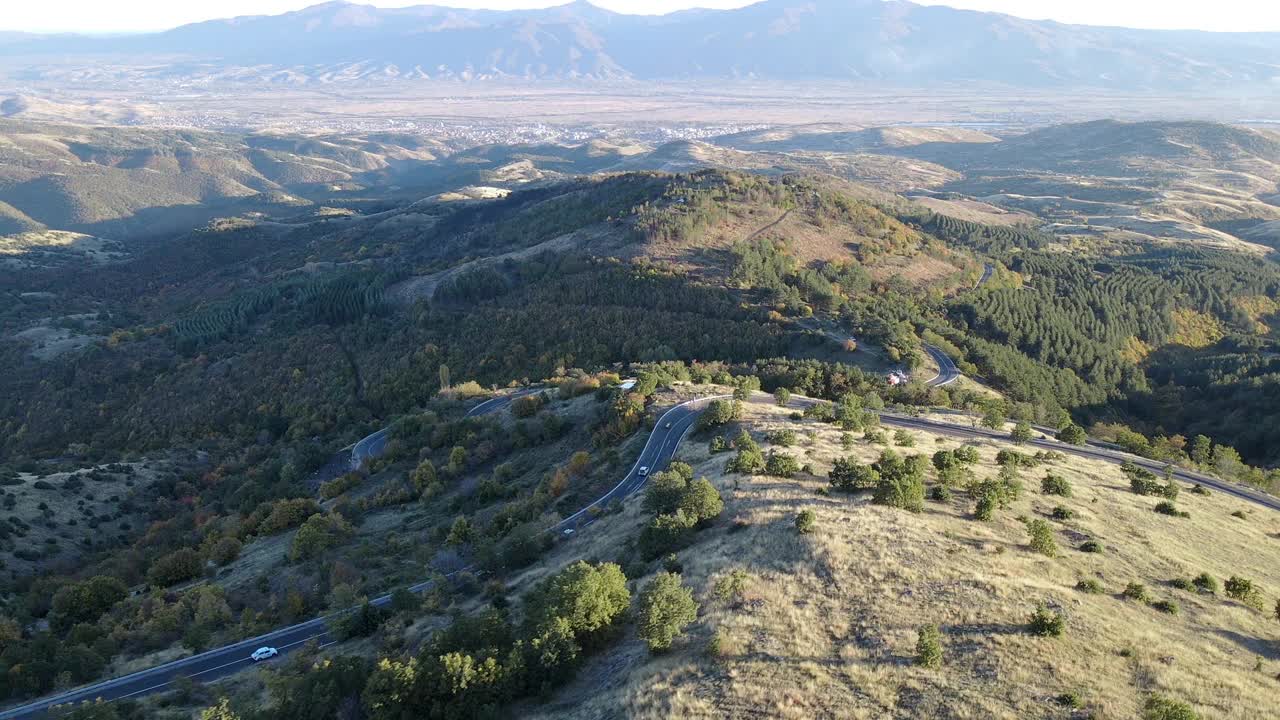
{"type": "Point", "coordinates": [873, 41]}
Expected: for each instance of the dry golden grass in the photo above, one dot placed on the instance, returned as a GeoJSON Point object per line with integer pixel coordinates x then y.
{"type": "Point", "coordinates": [827, 627]}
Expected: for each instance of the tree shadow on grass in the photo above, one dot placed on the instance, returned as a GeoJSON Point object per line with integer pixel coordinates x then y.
{"type": "Point", "coordinates": [1258, 646]}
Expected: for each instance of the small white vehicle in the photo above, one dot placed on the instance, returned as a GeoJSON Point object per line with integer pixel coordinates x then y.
{"type": "Point", "coordinates": [644, 471]}
{"type": "Point", "coordinates": [568, 532]}
{"type": "Point", "coordinates": [668, 425]}
{"type": "Point", "coordinates": [264, 653]}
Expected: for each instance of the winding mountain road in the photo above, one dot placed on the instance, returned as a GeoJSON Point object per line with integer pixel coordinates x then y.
{"type": "Point", "coordinates": [672, 427]}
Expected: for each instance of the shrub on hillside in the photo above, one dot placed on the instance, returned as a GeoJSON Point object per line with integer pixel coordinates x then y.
{"type": "Point", "coordinates": [719, 412]}
{"type": "Point", "coordinates": [731, 587]}
{"type": "Point", "coordinates": [849, 475]}
{"type": "Point", "coordinates": [701, 501]}
{"type": "Point", "coordinates": [665, 534]}
{"type": "Point", "coordinates": [929, 647]}
{"type": "Point", "coordinates": [1091, 546]}
{"type": "Point", "coordinates": [1089, 585]}
{"type": "Point", "coordinates": [178, 566]}
{"type": "Point", "coordinates": [785, 437]}
{"type": "Point", "coordinates": [1046, 623]}
{"type": "Point", "coordinates": [1206, 583]}
{"type": "Point", "coordinates": [1041, 538]}
{"type": "Point", "coordinates": [319, 533]}
{"type": "Point", "coordinates": [1159, 707]}
{"type": "Point", "coordinates": [1138, 592]}
{"type": "Point", "coordinates": [1073, 434]}
{"type": "Point", "coordinates": [781, 465]}
{"type": "Point", "coordinates": [1055, 485]}
{"type": "Point", "coordinates": [805, 522]}
{"type": "Point", "coordinates": [1164, 507]}
{"type": "Point", "coordinates": [1244, 591]}
{"type": "Point", "coordinates": [666, 608]}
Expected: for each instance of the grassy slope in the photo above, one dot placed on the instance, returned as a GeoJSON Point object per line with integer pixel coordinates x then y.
{"type": "Point", "coordinates": [829, 624]}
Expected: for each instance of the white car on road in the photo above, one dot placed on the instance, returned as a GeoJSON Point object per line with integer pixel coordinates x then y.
{"type": "Point", "coordinates": [264, 653]}
{"type": "Point", "coordinates": [644, 471]}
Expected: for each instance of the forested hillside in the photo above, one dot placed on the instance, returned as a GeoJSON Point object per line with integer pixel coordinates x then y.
{"type": "Point", "coordinates": [229, 364]}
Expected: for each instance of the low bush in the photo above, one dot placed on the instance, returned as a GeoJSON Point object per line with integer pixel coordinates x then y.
{"type": "Point", "coordinates": [1046, 623]}
{"type": "Point", "coordinates": [1244, 591]}
{"type": "Point", "coordinates": [1089, 585]}
{"type": "Point", "coordinates": [1206, 583]}
{"type": "Point", "coordinates": [1159, 707]}
{"type": "Point", "coordinates": [1166, 606]}
{"type": "Point", "coordinates": [1062, 513]}
{"type": "Point", "coordinates": [1070, 699]}
{"type": "Point", "coordinates": [1137, 591]}
{"type": "Point", "coordinates": [785, 437]}
{"type": "Point", "coordinates": [1055, 485]}
{"type": "Point", "coordinates": [805, 522]}
{"type": "Point", "coordinates": [1091, 546]}
{"type": "Point", "coordinates": [1165, 507]}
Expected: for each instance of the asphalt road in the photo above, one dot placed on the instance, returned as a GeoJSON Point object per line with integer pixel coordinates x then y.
{"type": "Point", "coordinates": [671, 429]}
{"type": "Point", "coordinates": [1095, 450]}
{"type": "Point", "coordinates": [372, 446]}
{"type": "Point", "coordinates": [987, 269]}
{"type": "Point", "coordinates": [947, 370]}
{"type": "Point", "coordinates": [661, 446]}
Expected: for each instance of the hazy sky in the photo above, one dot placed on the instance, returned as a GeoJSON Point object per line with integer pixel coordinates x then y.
{"type": "Point", "coordinates": [130, 15]}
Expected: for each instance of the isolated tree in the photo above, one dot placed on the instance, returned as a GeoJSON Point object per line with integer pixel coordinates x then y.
{"type": "Point", "coordinates": [457, 459]}
{"type": "Point", "coordinates": [994, 414]}
{"type": "Point", "coordinates": [701, 501]}
{"type": "Point", "coordinates": [666, 608]}
{"type": "Point", "coordinates": [590, 597]}
{"type": "Point", "coordinates": [929, 647]}
{"type": "Point", "coordinates": [423, 476]}
{"type": "Point", "coordinates": [1055, 485]}
{"type": "Point", "coordinates": [1046, 623]}
{"type": "Point", "coordinates": [1021, 433]}
{"type": "Point", "coordinates": [460, 532]}
{"type": "Point", "coordinates": [444, 377]}
{"type": "Point", "coordinates": [664, 492]}
{"type": "Point", "coordinates": [1041, 538]}
{"type": "Point", "coordinates": [1201, 450]}
{"type": "Point", "coordinates": [719, 412]}
{"type": "Point", "coordinates": [580, 463]}
{"type": "Point", "coordinates": [1073, 435]}
{"type": "Point", "coordinates": [178, 566]}
{"type": "Point", "coordinates": [782, 396]}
